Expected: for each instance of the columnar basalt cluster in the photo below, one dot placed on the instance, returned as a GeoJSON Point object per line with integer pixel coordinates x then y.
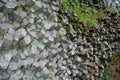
{"type": "Point", "coordinates": [29, 39]}
{"type": "Point", "coordinates": [41, 41]}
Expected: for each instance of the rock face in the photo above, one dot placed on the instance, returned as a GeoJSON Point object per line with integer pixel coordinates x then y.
{"type": "Point", "coordinates": [90, 47]}
{"type": "Point", "coordinates": [36, 44]}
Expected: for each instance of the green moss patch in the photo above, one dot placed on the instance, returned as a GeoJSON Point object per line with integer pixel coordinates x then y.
{"type": "Point", "coordinates": [85, 14]}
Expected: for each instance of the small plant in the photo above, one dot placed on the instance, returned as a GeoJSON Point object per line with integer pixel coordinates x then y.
{"type": "Point", "coordinates": [110, 58]}
{"type": "Point", "coordinates": [113, 64]}
{"type": "Point", "coordinates": [106, 75]}
{"type": "Point", "coordinates": [85, 14]}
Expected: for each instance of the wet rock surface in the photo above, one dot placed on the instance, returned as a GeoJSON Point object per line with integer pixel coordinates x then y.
{"type": "Point", "coordinates": [41, 41]}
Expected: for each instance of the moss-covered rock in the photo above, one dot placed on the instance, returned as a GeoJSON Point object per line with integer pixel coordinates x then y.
{"type": "Point", "coordinates": [84, 13]}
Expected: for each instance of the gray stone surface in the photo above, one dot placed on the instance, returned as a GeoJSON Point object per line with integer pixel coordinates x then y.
{"type": "Point", "coordinates": [35, 45]}
{"type": "Point", "coordinates": [1, 42]}
{"type": "Point", "coordinates": [16, 76]}
{"type": "Point", "coordinates": [20, 33]}
{"type": "Point", "coordinates": [4, 60]}
{"type": "Point", "coordinates": [13, 65]}
{"type": "Point", "coordinates": [11, 4]}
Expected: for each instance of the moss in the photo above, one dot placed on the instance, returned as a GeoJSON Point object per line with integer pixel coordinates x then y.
{"type": "Point", "coordinates": [85, 14]}
{"type": "Point", "coordinates": [59, 17]}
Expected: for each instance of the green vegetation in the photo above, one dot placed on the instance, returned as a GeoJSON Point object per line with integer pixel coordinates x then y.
{"type": "Point", "coordinates": [85, 14]}
{"type": "Point", "coordinates": [106, 75]}
{"type": "Point", "coordinates": [110, 58]}
{"type": "Point", "coordinates": [113, 60]}
{"type": "Point", "coordinates": [113, 63]}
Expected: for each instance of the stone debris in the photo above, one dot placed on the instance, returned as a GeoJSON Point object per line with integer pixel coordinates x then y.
{"type": "Point", "coordinates": [36, 45]}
